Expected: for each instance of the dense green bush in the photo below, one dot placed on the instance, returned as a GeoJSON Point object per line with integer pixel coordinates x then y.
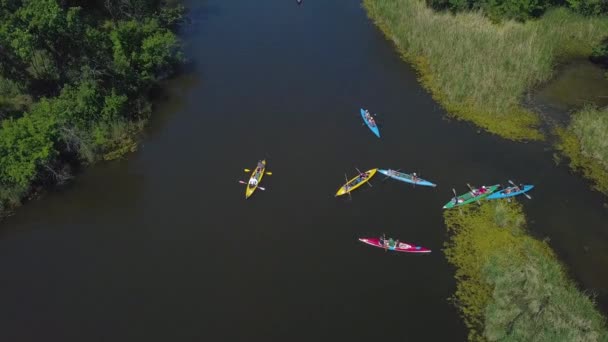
{"type": "Point", "coordinates": [496, 9]}
{"type": "Point", "coordinates": [589, 7]}
{"type": "Point", "coordinates": [74, 81]}
{"type": "Point", "coordinates": [600, 53]}
{"type": "Point", "coordinates": [520, 10]}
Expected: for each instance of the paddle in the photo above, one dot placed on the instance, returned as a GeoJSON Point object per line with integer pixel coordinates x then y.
{"type": "Point", "coordinates": [268, 173]}
{"type": "Point", "coordinates": [345, 187]}
{"type": "Point", "coordinates": [384, 242]}
{"type": "Point", "coordinates": [360, 173]}
{"type": "Point", "coordinates": [473, 193]}
{"type": "Point", "coordinates": [259, 187]}
{"type": "Point", "coordinates": [525, 194]}
{"type": "Point", "coordinates": [455, 196]}
{"type": "Point", "coordinates": [456, 200]}
{"type": "Point", "coordinates": [414, 180]}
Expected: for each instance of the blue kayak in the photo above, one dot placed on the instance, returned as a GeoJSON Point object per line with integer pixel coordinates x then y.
{"type": "Point", "coordinates": [404, 177]}
{"type": "Point", "coordinates": [372, 125]}
{"type": "Point", "coordinates": [510, 192]}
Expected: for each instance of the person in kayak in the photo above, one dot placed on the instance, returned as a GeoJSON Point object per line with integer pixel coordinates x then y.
{"type": "Point", "coordinates": [414, 177]}
{"type": "Point", "coordinates": [253, 182]}
{"type": "Point", "coordinates": [369, 118]}
{"type": "Point", "coordinates": [457, 200]}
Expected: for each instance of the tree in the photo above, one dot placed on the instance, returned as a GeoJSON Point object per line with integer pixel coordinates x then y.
{"type": "Point", "coordinates": [25, 145]}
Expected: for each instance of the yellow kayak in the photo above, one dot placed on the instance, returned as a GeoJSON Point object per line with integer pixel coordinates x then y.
{"type": "Point", "coordinates": [356, 182]}
{"type": "Point", "coordinates": [255, 179]}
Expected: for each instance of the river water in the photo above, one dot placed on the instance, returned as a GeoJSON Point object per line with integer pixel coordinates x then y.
{"type": "Point", "coordinates": [162, 246]}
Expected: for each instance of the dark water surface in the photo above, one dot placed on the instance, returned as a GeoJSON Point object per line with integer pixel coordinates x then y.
{"type": "Point", "coordinates": [162, 246]}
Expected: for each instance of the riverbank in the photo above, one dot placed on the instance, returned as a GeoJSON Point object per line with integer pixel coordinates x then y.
{"type": "Point", "coordinates": [510, 285]}
{"type": "Point", "coordinates": [478, 70]}
{"type": "Point", "coordinates": [585, 143]}
{"type": "Point", "coordinates": [75, 86]}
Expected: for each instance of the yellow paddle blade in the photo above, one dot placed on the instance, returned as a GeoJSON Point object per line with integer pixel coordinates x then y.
{"type": "Point", "coordinates": [247, 170]}
{"type": "Point", "coordinates": [269, 173]}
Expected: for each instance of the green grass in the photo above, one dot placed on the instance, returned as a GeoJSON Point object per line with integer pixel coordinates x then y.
{"type": "Point", "coordinates": [510, 286]}
{"type": "Point", "coordinates": [479, 71]}
{"type": "Point", "coordinates": [585, 142]}
{"type": "Point", "coordinates": [590, 126]}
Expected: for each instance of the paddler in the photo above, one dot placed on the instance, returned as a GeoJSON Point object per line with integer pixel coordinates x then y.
{"type": "Point", "coordinates": [253, 182]}
{"type": "Point", "coordinates": [414, 177]}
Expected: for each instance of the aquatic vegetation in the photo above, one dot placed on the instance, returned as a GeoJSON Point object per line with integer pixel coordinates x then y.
{"type": "Point", "coordinates": [509, 285]}
{"type": "Point", "coordinates": [585, 142]}
{"type": "Point", "coordinates": [480, 71]}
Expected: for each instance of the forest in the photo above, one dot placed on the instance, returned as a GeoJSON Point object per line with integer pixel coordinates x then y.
{"type": "Point", "coordinates": [75, 84]}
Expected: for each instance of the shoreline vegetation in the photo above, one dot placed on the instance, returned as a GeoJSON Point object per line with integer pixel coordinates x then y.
{"type": "Point", "coordinates": [480, 70]}
{"type": "Point", "coordinates": [75, 85]}
{"type": "Point", "coordinates": [510, 286]}
{"type": "Point", "coordinates": [585, 143]}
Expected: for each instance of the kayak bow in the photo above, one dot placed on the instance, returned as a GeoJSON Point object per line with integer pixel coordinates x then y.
{"type": "Point", "coordinates": [356, 182]}
{"type": "Point", "coordinates": [404, 177]}
{"type": "Point", "coordinates": [401, 247]}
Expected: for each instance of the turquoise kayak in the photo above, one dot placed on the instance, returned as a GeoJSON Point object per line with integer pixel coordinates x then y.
{"type": "Point", "coordinates": [510, 192]}
{"type": "Point", "coordinates": [370, 123]}
{"type": "Point", "coordinates": [404, 177]}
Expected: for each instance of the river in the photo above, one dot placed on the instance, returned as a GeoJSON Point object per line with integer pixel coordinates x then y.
{"type": "Point", "coordinates": [162, 245]}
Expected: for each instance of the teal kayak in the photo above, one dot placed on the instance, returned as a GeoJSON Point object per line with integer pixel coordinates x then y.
{"type": "Point", "coordinates": [370, 123]}
{"type": "Point", "coordinates": [404, 177]}
{"type": "Point", "coordinates": [510, 192]}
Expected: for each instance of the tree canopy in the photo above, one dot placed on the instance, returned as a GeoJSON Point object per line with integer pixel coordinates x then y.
{"type": "Point", "coordinates": [74, 80]}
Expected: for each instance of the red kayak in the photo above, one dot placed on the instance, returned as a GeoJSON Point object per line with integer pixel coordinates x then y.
{"type": "Point", "coordinates": [401, 247]}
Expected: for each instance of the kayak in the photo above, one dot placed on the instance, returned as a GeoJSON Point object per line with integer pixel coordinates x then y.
{"type": "Point", "coordinates": [404, 177]}
{"type": "Point", "coordinates": [356, 182]}
{"type": "Point", "coordinates": [257, 174]}
{"type": "Point", "coordinates": [510, 192]}
{"type": "Point", "coordinates": [469, 197]}
{"type": "Point", "coordinates": [373, 126]}
{"type": "Point", "coordinates": [401, 247]}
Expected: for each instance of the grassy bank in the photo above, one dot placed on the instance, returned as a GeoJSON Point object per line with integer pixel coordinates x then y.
{"type": "Point", "coordinates": [75, 79]}
{"type": "Point", "coordinates": [510, 286]}
{"type": "Point", "coordinates": [585, 143]}
{"type": "Point", "coordinates": [478, 70]}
